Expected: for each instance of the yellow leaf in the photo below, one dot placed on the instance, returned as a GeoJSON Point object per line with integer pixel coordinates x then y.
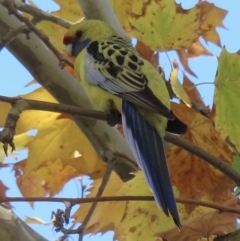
{"type": "Point", "coordinates": [54, 32]}
{"type": "Point", "coordinates": [36, 119]}
{"type": "Point", "coordinates": [107, 215]}
{"type": "Point", "coordinates": [142, 219]}
{"type": "Point", "coordinates": [4, 108]}
{"type": "Point", "coordinates": [164, 25]}
{"type": "Point", "coordinates": [161, 25]}
{"type": "Point", "coordinates": [177, 87]}
{"type": "Point", "coordinates": [69, 10]}
{"type": "Point", "coordinates": [60, 139]}
{"type": "Point", "coordinates": [20, 142]}
{"type": "Point", "coordinates": [55, 175]}
{"type": "Point", "coordinates": [227, 98]}
{"type": "Point", "coordinates": [57, 139]}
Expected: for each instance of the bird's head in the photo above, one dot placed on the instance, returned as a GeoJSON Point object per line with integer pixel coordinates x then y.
{"type": "Point", "coordinates": [80, 35]}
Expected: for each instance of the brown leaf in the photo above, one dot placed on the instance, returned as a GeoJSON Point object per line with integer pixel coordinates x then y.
{"type": "Point", "coordinates": [192, 176]}
{"type": "Point", "coordinates": [195, 49]}
{"type": "Point", "coordinates": [31, 186]}
{"type": "Point", "coordinates": [3, 190]}
{"type": "Point", "coordinates": [148, 54]}
{"type": "Point", "coordinates": [212, 223]}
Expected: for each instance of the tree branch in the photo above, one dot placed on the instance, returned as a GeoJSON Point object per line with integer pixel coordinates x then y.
{"type": "Point", "coordinates": [34, 55]}
{"type": "Point", "coordinates": [199, 152]}
{"type": "Point", "coordinates": [12, 34]}
{"type": "Point", "coordinates": [9, 4]}
{"type": "Point", "coordinates": [102, 10]}
{"type": "Point", "coordinates": [219, 207]}
{"type": "Point", "coordinates": [105, 179]}
{"type": "Point", "coordinates": [13, 228]}
{"type": "Point", "coordinates": [38, 13]}
{"type": "Point", "coordinates": [23, 104]}
{"type": "Point", "coordinates": [54, 107]}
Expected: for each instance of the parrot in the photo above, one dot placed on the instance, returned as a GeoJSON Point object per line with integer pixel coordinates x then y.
{"type": "Point", "coordinates": [110, 69]}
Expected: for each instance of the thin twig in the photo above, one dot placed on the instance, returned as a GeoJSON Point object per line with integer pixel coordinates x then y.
{"type": "Point", "coordinates": [195, 150]}
{"type": "Point", "coordinates": [9, 4]}
{"type": "Point", "coordinates": [11, 35]}
{"type": "Point", "coordinates": [105, 179]}
{"type": "Point", "coordinates": [195, 85]}
{"type": "Point", "coordinates": [219, 207]}
{"type": "Point", "coordinates": [54, 107]}
{"type": "Point", "coordinates": [199, 152]}
{"type": "Point", "coordinates": [38, 13]}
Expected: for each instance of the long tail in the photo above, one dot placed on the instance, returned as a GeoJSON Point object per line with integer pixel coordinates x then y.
{"type": "Point", "coordinates": [148, 149]}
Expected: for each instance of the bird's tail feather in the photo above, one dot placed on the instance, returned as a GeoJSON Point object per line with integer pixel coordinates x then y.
{"type": "Point", "coordinates": [149, 152]}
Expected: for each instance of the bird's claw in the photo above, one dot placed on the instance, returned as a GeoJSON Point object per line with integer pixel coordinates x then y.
{"type": "Point", "coordinates": [114, 117]}
{"type": "Point", "coordinates": [5, 147]}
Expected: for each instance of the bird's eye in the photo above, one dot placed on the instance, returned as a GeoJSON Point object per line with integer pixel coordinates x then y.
{"type": "Point", "coordinates": [79, 34]}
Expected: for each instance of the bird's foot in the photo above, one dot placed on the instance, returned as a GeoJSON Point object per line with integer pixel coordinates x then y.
{"type": "Point", "coordinates": [114, 117]}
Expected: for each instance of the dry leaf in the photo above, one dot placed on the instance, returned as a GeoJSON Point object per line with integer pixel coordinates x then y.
{"type": "Point", "coordinates": [212, 223]}
{"type": "Point", "coordinates": [192, 176]}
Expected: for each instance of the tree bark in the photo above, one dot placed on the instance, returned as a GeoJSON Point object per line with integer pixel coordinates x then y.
{"type": "Point", "coordinates": [13, 228]}
{"type": "Point", "coordinates": [44, 67]}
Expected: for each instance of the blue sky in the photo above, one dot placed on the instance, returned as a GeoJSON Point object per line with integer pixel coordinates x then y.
{"type": "Point", "coordinates": [204, 67]}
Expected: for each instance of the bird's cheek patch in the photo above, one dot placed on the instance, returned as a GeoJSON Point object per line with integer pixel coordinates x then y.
{"type": "Point", "coordinates": [68, 49]}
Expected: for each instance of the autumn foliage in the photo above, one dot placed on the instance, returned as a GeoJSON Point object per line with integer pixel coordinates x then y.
{"type": "Point", "coordinates": [61, 149]}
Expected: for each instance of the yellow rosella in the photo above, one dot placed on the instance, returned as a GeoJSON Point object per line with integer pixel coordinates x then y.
{"type": "Point", "coordinates": [111, 69]}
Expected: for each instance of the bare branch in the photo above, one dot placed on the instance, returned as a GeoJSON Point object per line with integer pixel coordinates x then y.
{"type": "Point", "coordinates": [54, 107]}
{"type": "Point", "coordinates": [38, 13]}
{"type": "Point", "coordinates": [19, 105]}
{"type": "Point", "coordinates": [212, 160]}
{"type": "Point", "coordinates": [214, 205]}
{"type": "Point", "coordinates": [102, 10]}
{"type": "Point", "coordinates": [105, 179]}
{"type": "Point", "coordinates": [12, 34]}
{"type": "Point", "coordinates": [9, 4]}
{"type": "Point", "coordinates": [44, 67]}
{"type": "Point", "coordinates": [22, 104]}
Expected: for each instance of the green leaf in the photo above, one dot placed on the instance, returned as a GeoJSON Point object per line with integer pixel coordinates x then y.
{"type": "Point", "coordinates": [227, 97]}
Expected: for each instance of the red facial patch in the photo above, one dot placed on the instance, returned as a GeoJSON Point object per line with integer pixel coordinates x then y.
{"type": "Point", "coordinates": [68, 40]}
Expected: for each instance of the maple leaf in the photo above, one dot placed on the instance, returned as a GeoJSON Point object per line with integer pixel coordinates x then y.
{"type": "Point", "coordinates": [57, 138]}
{"type": "Point", "coordinates": [192, 176]}
{"type": "Point", "coordinates": [226, 97]}
{"type": "Point", "coordinates": [214, 222]}
{"type": "Point", "coordinates": [103, 219]}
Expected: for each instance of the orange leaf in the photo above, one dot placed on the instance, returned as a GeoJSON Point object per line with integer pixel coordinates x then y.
{"type": "Point", "coordinates": [31, 186]}
{"type": "Point", "coordinates": [3, 190]}
{"type": "Point", "coordinates": [194, 50]}
{"type": "Point", "coordinates": [148, 54]}
{"type": "Point", "coordinates": [192, 176]}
